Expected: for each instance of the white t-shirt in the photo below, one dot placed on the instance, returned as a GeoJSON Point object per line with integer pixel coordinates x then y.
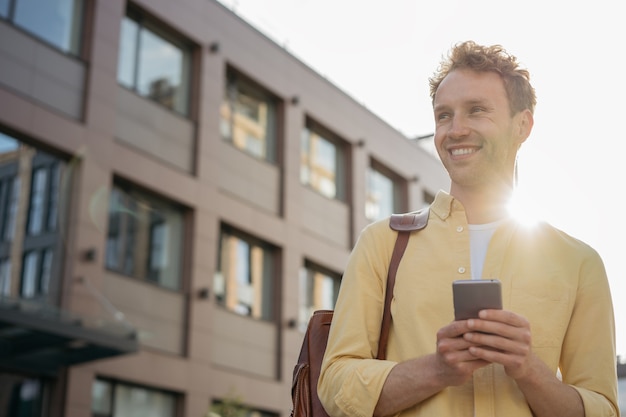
{"type": "Point", "coordinates": [480, 235]}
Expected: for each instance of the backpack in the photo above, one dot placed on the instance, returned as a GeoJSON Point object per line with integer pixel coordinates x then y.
{"type": "Point", "coordinates": [307, 370]}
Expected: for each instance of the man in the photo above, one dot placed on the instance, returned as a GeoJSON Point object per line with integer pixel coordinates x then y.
{"type": "Point", "coordinates": [549, 352]}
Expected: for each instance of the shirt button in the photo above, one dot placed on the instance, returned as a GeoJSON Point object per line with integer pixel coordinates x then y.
{"type": "Point", "coordinates": [459, 229]}
{"type": "Point", "coordinates": [461, 270]}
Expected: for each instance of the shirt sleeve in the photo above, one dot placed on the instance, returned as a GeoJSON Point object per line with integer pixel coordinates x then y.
{"type": "Point", "coordinates": [588, 359]}
{"type": "Point", "coordinates": [351, 379]}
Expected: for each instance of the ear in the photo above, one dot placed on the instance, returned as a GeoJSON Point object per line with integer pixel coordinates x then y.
{"type": "Point", "coordinates": [525, 123]}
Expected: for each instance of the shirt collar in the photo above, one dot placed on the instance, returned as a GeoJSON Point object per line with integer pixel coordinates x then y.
{"type": "Point", "coordinates": [444, 205]}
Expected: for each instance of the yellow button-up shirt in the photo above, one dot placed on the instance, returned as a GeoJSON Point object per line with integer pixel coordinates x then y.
{"type": "Point", "coordinates": [556, 282]}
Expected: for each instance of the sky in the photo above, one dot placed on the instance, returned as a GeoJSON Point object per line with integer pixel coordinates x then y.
{"type": "Point", "coordinates": [381, 53]}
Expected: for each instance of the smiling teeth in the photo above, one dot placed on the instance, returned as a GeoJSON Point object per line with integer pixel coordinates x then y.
{"type": "Point", "coordinates": [463, 151]}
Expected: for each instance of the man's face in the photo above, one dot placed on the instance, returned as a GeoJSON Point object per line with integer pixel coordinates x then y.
{"type": "Point", "coordinates": [475, 135]}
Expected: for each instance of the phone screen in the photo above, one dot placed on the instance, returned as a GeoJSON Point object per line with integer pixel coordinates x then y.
{"type": "Point", "coordinates": [471, 296]}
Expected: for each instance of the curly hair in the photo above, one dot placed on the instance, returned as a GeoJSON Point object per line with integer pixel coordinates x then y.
{"type": "Point", "coordinates": [470, 55]}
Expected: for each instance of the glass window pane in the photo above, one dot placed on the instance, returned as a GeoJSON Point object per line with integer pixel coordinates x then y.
{"type": "Point", "coordinates": [158, 245]}
{"type": "Point", "coordinates": [101, 393]}
{"type": "Point", "coordinates": [160, 72]}
{"type": "Point", "coordinates": [13, 206]}
{"type": "Point", "coordinates": [130, 229]}
{"type": "Point", "coordinates": [380, 201]}
{"type": "Point", "coordinates": [114, 238]}
{"type": "Point", "coordinates": [141, 402]}
{"type": "Point", "coordinates": [127, 53]}
{"type": "Point", "coordinates": [248, 119]}
{"type": "Point", "coordinates": [53, 198]}
{"type": "Point", "coordinates": [46, 270]}
{"type": "Point", "coordinates": [37, 198]}
{"type": "Point", "coordinates": [10, 188]}
{"type": "Point", "coordinates": [8, 144]}
{"type": "Point", "coordinates": [24, 395]}
{"type": "Point", "coordinates": [56, 21]}
{"type": "Point", "coordinates": [145, 237]}
{"type": "Point", "coordinates": [305, 157]}
{"type": "Point", "coordinates": [320, 160]}
{"type": "Point", "coordinates": [4, 8]}
{"type": "Point", "coordinates": [29, 274]}
{"type": "Point", "coordinates": [318, 291]}
{"type": "Point", "coordinates": [5, 277]}
{"type": "Point", "coordinates": [621, 388]}
{"type": "Point", "coordinates": [244, 282]}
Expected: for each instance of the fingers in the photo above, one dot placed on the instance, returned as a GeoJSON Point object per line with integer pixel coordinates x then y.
{"type": "Point", "coordinates": [456, 363]}
{"type": "Point", "coordinates": [454, 329]}
{"type": "Point", "coordinates": [503, 316]}
{"type": "Point", "coordinates": [511, 329]}
{"type": "Point", "coordinates": [501, 337]}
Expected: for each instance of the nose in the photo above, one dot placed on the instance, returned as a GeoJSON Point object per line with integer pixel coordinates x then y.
{"type": "Point", "coordinates": [458, 127]}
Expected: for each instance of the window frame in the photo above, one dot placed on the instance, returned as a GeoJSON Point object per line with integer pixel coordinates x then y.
{"type": "Point", "coordinates": [77, 27]}
{"type": "Point", "coordinates": [234, 406]}
{"type": "Point", "coordinates": [341, 160]}
{"type": "Point", "coordinates": [399, 189]}
{"type": "Point", "coordinates": [124, 259]}
{"type": "Point", "coordinates": [44, 390]}
{"type": "Point", "coordinates": [113, 384]}
{"type": "Point", "coordinates": [146, 22]}
{"type": "Point", "coordinates": [40, 279]}
{"type": "Point", "coordinates": [236, 83]}
{"type": "Point", "coordinates": [269, 310]}
{"type": "Point", "coordinates": [304, 310]}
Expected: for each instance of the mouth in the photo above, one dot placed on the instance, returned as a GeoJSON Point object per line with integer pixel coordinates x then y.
{"type": "Point", "coordinates": [460, 152]}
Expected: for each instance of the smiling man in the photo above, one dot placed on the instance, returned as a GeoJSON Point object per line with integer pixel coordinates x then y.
{"type": "Point", "coordinates": [549, 352]}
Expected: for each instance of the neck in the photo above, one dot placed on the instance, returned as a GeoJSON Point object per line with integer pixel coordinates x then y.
{"type": "Point", "coordinates": [485, 205]}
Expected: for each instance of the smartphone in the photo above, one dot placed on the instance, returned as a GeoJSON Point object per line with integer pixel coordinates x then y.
{"type": "Point", "coordinates": [472, 295]}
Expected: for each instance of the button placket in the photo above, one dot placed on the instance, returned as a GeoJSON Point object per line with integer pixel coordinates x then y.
{"type": "Point", "coordinates": [460, 229]}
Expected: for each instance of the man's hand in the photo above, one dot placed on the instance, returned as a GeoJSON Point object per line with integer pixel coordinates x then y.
{"type": "Point", "coordinates": [454, 356]}
{"type": "Point", "coordinates": [412, 381]}
{"type": "Point", "coordinates": [503, 337]}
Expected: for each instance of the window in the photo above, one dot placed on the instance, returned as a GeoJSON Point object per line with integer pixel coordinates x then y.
{"type": "Point", "coordinates": [23, 396]}
{"type": "Point", "coordinates": [58, 22]}
{"type": "Point", "coordinates": [235, 407]}
{"type": "Point", "coordinates": [621, 390]}
{"type": "Point", "coordinates": [322, 162]}
{"type": "Point", "coordinates": [153, 63]}
{"type": "Point", "coordinates": [114, 399]}
{"type": "Point", "coordinates": [384, 193]}
{"type": "Point", "coordinates": [38, 190]}
{"type": "Point", "coordinates": [248, 117]}
{"type": "Point", "coordinates": [44, 198]}
{"type": "Point", "coordinates": [244, 282]}
{"type": "Point", "coordinates": [31, 222]}
{"type": "Point", "coordinates": [29, 274]}
{"type": "Point", "coordinates": [9, 186]}
{"type": "Point", "coordinates": [36, 272]}
{"type": "Point", "coordinates": [145, 237]}
{"type": "Point", "coordinates": [9, 195]}
{"type": "Point", "coordinates": [5, 276]}
{"type": "Point", "coordinates": [621, 383]}
{"type": "Point", "coordinates": [318, 291]}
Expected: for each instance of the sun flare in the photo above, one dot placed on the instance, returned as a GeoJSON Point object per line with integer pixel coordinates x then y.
{"type": "Point", "coordinates": [521, 210]}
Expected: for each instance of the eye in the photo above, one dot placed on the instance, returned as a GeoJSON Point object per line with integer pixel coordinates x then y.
{"type": "Point", "coordinates": [477, 109]}
{"type": "Point", "coordinates": [443, 116]}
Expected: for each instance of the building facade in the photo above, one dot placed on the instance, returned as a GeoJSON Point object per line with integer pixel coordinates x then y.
{"type": "Point", "coordinates": [177, 195]}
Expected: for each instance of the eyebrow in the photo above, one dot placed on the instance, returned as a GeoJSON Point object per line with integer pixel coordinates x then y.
{"type": "Point", "coordinates": [472, 102]}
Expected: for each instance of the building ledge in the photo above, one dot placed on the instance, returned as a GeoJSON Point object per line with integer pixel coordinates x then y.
{"type": "Point", "coordinates": [41, 339]}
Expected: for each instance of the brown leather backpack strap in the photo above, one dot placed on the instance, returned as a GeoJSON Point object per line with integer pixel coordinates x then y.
{"type": "Point", "coordinates": [404, 224]}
